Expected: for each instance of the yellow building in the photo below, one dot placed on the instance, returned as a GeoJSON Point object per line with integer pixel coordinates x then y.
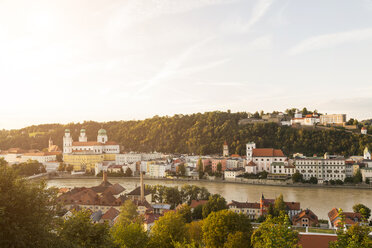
{"type": "Point", "coordinates": [85, 162]}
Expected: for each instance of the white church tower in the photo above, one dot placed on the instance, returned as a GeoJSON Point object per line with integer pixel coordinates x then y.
{"type": "Point", "coordinates": [225, 149]}
{"type": "Point", "coordinates": [83, 136]}
{"type": "Point", "coordinates": [102, 136]}
{"type": "Point", "coordinates": [250, 146]}
{"type": "Point", "coordinates": [367, 153]}
{"type": "Point", "coordinates": [67, 142]}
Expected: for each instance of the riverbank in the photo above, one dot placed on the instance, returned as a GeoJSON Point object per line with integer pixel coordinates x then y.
{"type": "Point", "coordinates": [261, 182]}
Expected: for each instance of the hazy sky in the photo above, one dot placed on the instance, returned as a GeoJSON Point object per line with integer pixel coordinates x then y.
{"type": "Point", "coordinates": [69, 61]}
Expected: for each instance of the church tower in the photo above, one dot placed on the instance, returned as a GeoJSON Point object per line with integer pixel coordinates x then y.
{"type": "Point", "coordinates": [250, 146]}
{"type": "Point", "coordinates": [225, 149]}
{"type": "Point", "coordinates": [50, 143]}
{"type": "Point", "coordinates": [83, 137]}
{"type": "Point", "coordinates": [102, 136]}
{"type": "Point", "coordinates": [67, 142]}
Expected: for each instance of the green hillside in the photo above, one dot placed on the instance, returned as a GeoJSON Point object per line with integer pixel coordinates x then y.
{"type": "Point", "coordinates": [195, 133]}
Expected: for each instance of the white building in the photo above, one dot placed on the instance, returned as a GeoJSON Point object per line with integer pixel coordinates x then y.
{"type": "Point", "coordinates": [157, 170]}
{"type": "Point", "coordinates": [128, 158]}
{"type": "Point", "coordinates": [41, 157]}
{"type": "Point", "coordinates": [151, 156]}
{"type": "Point", "coordinates": [263, 157]}
{"type": "Point", "coordinates": [366, 173]}
{"type": "Point", "coordinates": [363, 130]}
{"type": "Point", "coordinates": [282, 168]}
{"type": "Point", "coordinates": [233, 163]}
{"type": "Point", "coordinates": [102, 145]}
{"type": "Point", "coordinates": [324, 169]}
{"type": "Point", "coordinates": [332, 119]}
{"type": "Point", "coordinates": [366, 153]}
{"type": "Point", "coordinates": [233, 173]}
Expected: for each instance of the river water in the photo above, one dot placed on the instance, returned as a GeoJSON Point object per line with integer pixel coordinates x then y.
{"type": "Point", "coordinates": [319, 200]}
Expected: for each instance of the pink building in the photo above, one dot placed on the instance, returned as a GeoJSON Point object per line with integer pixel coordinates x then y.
{"type": "Point", "coordinates": [215, 163]}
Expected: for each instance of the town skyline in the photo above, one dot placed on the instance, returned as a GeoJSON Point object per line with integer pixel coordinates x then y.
{"type": "Point", "coordinates": [137, 59]}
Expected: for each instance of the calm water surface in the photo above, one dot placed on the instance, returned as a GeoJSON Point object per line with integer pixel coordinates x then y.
{"type": "Point", "coordinates": [320, 200]}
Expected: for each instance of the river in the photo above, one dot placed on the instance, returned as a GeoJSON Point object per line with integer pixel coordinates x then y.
{"type": "Point", "coordinates": [319, 200]}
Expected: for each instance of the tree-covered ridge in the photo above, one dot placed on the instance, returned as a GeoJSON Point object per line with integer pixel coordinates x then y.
{"type": "Point", "coordinates": [196, 133]}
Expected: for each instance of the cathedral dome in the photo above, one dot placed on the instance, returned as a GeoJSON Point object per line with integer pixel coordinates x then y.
{"type": "Point", "coordinates": [102, 132]}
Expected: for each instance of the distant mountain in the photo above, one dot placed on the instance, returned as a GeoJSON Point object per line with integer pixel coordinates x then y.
{"type": "Point", "coordinates": [201, 133]}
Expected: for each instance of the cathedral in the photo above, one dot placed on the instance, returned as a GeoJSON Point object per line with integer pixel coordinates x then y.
{"type": "Point", "coordinates": [83, 146]}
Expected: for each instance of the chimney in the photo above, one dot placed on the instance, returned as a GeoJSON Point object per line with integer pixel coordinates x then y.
{"type": "Point", "coordinates": [104, 176]}
{"type": "Point", "coordinates": [142, 187]}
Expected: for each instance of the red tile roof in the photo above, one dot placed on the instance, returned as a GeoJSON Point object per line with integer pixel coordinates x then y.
{"type": "Point", "coordinates": [251, 163]}
{"type": "Point", "coordinates": [315, 240]}
{"type": "Point", "coordinates": [195, 203]}
{"type": "Point", "coordinates": [267, 152]}
{"type": "Point", "coordinates": [245, 204]}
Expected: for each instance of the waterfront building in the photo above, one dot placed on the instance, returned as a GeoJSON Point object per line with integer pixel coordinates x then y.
{"type": "Point", "coordinates": [263, 157]}
{"type": "Point", "coordinates": [216, 161]}
{"type": "Point", "coordinates": [252, 209]}
{"type": "Point", "coordinates": [282, 168]}
{"type": "Point", "coordinates": [235, 162]}
{"type": "Point", "coordinates": [366, 174]}
{"type": "Point", "coordinates": [41, 157]}
{"type": "Point", "coordinates": [323, 168]}
{"type": "Point", "coordinates": [128, 158]}
{"type": "Point", "coordinates": [233, 173]}
{"type": "Point", "coordinates": [157, 170]}
{"type": "Point", "coordinates": [305, 218]}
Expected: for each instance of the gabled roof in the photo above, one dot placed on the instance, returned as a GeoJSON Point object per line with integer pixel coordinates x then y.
{"type": "Point", "coordinates": [114, 189]}
{"type": "Point", "coordinates": [102, 187]}
{"type": "Point", "coordinates": [110, 214]}
{"type": "Point", "coordinates": [267, 152]}
{"type": "Point", "coordinates": [251, 163]}
{"type": "Point", "coordinates": [137, 192]}
{"type": "Point", "coordinates": [307, 213]}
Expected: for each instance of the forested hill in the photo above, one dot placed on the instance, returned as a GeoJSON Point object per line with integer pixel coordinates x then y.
{"type": "Point", "coordinates": [197, 133]}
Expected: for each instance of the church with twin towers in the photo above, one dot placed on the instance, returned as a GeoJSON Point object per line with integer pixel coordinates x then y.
{"type": "Point", "coordinates": [83, 146]}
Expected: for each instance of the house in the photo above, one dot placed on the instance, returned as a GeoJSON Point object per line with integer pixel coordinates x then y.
{"type": "Point", "coordinates": [251, 168]}
{"type": "Point", "coordinates": [136, 194]}
{"type": "Point", "coordinates": [159, 208]}
{"type": "Point", "coordinates": [305, 218]}
{"type": "Point", "coordinates": [195, 203]}
{"type": "Point", "coordinates": [252, 209]}
{"type": "Point", "coordinates": [110, 216]}
{"type": "Point", "coordinates": [149, 221]}
{"type": "Point", "coordinates": [292, 208]}
{"type": "Point", "coordinates": [115, 168]}
{"type": "Point", "coordinates": [263, 157]}
{"type": "Point", "coordinates": [215, 163]}
{"type": "Point", "coordinates": [233, 173]}
{"type": "Point", "coordinates": [282, 168]}
{"type": "Point", "coordinates": [363, 130]}
{"type": "Point", "coordinates": [334, 218]}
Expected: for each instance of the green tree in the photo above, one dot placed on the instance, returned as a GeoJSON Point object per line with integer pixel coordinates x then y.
{"type": "Point", "coordinates": [27, 211]}
{"type": "Point", "coordinates": [297, 177]}
{"type": "Point", "coordinates": [279, 205]}
{"type": "Point", "coordinates": [354, 237]}
{"type": "Point", "coordinates": [219, 167]}
{"type": "Point", "coordinates": [275, 232]}
{"type": "Point", "coordinates": [168, 229]}
{"type": "Point", "coordinates": [61, 167]}
{"type": "Point", "coordinates": [195, 232]}
{"type": "Point", "coordinates": [357, 177]}
{"type": "Point", "coordinates": [215, 203]}
{"type": "Point", "coordinates": [182, 169]}
{"type": "Point", "coordinates": [129, 235]}
{"type": "Point", "coordinates": [79, 231]}
{"type": "Point", "coordinates": [185, 212]}
{"type": "Point", "coordinates": [69, 168]}
{"type": "Point", "coordinates": [197, 214]}
{"type": "Point", "coordinates": [128, 212]}
{"type": "Point", "coordinates": [218, 225]}
{"type": "Point", "coordinates": [313, 180]}
{"type": "Point", "coordinates": [237, 239]}
{"type": "Point", "coordinates": [363, 210]}
{"type": "Point", "coordinates": [3, 162]}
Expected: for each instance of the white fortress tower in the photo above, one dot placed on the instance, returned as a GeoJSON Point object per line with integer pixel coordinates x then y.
{"type": "Point", "coordinates": [102, 136]}
{"type": "Point", "coordinates": [83, 136]}
{"type": "Point", "coordinates": [250, 146]}
{"type": "Point", "coordinates": [67, 142]}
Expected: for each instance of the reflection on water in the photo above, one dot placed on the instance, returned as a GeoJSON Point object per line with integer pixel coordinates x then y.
{"type": "Point", "coordinates": [320, 200]}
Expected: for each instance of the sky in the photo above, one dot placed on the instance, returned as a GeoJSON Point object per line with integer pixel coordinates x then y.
{"type": "Point", "coordinates": [70, 61]}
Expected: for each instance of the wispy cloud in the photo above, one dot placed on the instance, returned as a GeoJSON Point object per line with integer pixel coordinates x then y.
{"type": "Point", "coordinates": [258, 11]}
{"type": "Point", "coordinates": [175, 66]}
{"type": "Point", "coordinates": [329, 40]}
